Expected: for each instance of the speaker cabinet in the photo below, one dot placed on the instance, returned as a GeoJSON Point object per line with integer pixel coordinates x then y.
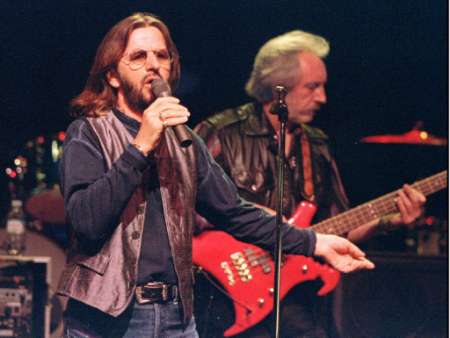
{"type": "Point", "coordinates": [404, 296]}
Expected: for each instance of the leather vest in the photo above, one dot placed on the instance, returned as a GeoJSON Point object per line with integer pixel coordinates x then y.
{"type": "Point", "coordinates": [241, 140]}
{"type": "Point", "coordinates": [106, 279]}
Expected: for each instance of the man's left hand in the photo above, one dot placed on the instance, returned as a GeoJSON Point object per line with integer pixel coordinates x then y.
{"type": "Point", "coordinates": [410, 203]}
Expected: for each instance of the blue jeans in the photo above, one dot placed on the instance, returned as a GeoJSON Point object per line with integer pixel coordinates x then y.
{"type": "Point", "coordinates": [138, 321]}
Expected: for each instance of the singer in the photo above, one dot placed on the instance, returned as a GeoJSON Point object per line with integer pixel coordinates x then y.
{"type": "Point", "coordinates": [130, 193]}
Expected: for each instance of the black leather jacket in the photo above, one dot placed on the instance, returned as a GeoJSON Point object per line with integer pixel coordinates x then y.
{"type": "Point", "coordinates": [242, 140]}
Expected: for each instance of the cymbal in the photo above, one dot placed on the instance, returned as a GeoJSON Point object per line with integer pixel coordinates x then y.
{"type": "Point", "coordinates": [47, 206]}
{"type": "Point", "coordinates": [413, 136]}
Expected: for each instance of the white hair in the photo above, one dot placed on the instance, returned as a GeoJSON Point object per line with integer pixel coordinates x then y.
{"type": "Point", "coordinates": [276, 63]}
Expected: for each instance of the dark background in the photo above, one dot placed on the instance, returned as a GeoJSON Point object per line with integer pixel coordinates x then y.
{"type": "Point", "coordinates": [388, 69]}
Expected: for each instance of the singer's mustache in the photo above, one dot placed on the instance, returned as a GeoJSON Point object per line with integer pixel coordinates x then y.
{"type": "Point", "coordinates": [149, 78]}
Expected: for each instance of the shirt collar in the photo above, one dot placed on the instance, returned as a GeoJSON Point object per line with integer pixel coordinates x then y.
{"type": "Point", "coordinates": [131, 124]}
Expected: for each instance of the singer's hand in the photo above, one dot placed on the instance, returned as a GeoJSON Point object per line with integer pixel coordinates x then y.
{"type": "Point", "coordinates": [163, 112]}
{"type": "Point", "coordinates": [341, 254]}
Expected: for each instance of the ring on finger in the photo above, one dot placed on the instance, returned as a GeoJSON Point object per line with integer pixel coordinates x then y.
{"type": "Point", "coordinates": [160, 116]}
{"type": "Point", "coordinates": [164, 123]}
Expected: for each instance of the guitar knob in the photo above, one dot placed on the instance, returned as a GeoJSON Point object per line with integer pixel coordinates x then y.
{"type": "Point", "coordinates": [242, 267]}
{"type": "Point", "coordinates": [271, 291]}
{"type": "Point", "coordinates": [261, 302]}
{"type": "Point", "coordinates": [304, 268]}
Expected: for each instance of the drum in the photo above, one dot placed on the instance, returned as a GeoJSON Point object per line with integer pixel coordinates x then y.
{"type": "Point", "coordinates": [39, 245]}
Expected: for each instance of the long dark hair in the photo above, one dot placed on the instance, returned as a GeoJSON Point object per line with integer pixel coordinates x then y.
{"type": "Point", "coordinates": [98, 96]}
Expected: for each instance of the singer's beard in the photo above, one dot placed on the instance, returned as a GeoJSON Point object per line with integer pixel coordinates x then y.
{"type": "Point", "coordinates": [135, 96]}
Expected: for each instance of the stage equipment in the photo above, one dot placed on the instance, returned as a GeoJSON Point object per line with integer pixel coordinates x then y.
{"type": "Point", "coordinates": [405, 296]}
{"type": "Point", "coordinates": [24, 307]}
{"type": "Point", "coordinates": [279, 108]}
{"type": "Point", "coordinates": [40, 248]}
{"type": "Point", "coordinates": [415, 136]}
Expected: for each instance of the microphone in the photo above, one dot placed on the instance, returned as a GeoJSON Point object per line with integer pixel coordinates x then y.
{"type": "Point", "coordinates": [279, 106]}
{"type": "Point", "coordinates": [160, 88]}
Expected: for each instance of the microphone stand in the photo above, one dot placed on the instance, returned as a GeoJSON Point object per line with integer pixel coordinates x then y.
{"type": "Point", "coordinates": [279, 108]}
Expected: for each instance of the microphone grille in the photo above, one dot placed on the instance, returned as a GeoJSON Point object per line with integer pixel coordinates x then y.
{"type": "Point", "coordinates": [160, 88]}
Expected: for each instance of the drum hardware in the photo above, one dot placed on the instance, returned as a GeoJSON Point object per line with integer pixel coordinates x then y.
{"type": "Point", "coordinates": [415, 136]}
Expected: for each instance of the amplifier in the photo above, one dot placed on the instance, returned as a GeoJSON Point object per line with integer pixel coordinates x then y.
{"type": "Point", "coordinates": [405, 296]}
{"type": "Point", "coordinates": [24, 306]}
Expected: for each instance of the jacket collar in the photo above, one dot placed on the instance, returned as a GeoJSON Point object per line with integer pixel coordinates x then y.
{"type": "Point", "coordinates": [255, 121]}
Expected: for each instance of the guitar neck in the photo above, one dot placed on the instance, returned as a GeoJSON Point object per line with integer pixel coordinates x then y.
{"type": "Point", "coordinates": [376, 208]}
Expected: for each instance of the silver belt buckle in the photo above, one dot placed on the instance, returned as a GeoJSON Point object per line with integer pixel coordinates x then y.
{"type": "Point", "coordinates": [165, 292]}
{"type": "Point", "coordinates": [152, 285]}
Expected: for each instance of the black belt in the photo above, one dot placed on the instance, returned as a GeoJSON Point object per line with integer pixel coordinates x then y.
{"type": "Point", "coordinates": [156, 292]}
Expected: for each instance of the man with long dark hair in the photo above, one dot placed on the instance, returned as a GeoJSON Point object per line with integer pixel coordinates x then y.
{"type": "Point", "coordinates": [130, 193]}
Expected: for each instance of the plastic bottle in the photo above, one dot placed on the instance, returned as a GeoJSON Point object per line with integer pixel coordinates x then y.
{"type": "Point", "coordinates": [15, 228]}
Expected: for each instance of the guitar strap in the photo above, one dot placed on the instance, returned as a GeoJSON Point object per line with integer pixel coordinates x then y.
{"type": "Point", "coordinates": [308, 183]}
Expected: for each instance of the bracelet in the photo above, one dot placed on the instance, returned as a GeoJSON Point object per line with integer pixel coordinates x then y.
{"type": "Point", "coordinates": [140, 149]}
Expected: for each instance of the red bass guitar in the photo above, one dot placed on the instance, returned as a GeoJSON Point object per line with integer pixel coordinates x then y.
{"type": "Point", "coordinates": [246, 272]}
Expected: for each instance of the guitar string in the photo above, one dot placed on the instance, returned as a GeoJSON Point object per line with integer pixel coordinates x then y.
{"type": "Point", "coordinates": [382, 205]}
{"type": "Point", "coordinates": [368, 211]}
{"type": "Point", "coordinates": [347, 220]}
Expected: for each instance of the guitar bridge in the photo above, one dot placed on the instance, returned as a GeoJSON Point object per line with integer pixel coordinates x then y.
{"type": "Point", "coordinates": [242, 267]}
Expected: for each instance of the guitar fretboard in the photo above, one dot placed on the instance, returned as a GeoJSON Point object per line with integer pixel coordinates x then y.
{"type": "Point", "coordinates": [376, 208]}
